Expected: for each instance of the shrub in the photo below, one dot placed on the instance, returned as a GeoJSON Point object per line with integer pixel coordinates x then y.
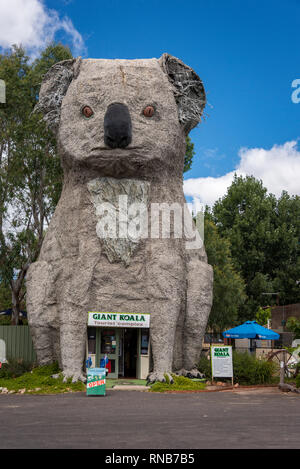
{"type": "Point", "coordinates": [247, 369]}
{"type": "Point", "coordinates": [180, 384]}
{"type": "Point", "coordinates": [39, 380]}
{"type": "Point", "coordinates": [15, 368]}
{"type": "Point", "coordinates": [298, 381]}
{"type": "Point", "coordinates": [204, 366]}
{"type": "Point", "coordinates": [5, 320]}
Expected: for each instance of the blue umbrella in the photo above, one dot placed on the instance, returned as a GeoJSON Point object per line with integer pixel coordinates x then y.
{"type": "Point", "coordinates": [251, 330]}
{"type": "Point", "coordinates": [8, 312]}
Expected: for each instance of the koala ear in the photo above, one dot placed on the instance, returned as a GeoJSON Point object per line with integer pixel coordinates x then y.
{"type": "Point", "coordinates": [188, 90]}
{"type": "Point", "coordinates": [54, 87]}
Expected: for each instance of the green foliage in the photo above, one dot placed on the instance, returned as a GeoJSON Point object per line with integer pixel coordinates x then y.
{"type": "Point", "coordinates": [30, 171]}
{"type": "Point", "coordinates": [228, 288]}
{"type": "Point", "coordinates": [264, 237]}
{"type": "Point", "coordinates": [14, 368]}
{"type": "Point", "coordinates": [5, 297]}
{"type": "Point", "coordinates": [298, 381]}
{"type": "Point", "coordinates": [54, 53]}
{"type": "Point", "coordinates": [293, 325]}
{"type": "Point", "coordinates": [5, 320]}
{"type": "Point", "coordinates": [189, 154]}
{"type": "Point", "coordinates": [250, 370]}
{"type": "Point", "coordinates": [39, 381]}
{"type": "Point", "coordinates": [284, 256]}
{"type": "Point", "coordinates": [262, 316]}
{"type": "Point", "coordinates": [247, 369]}
{"type": "Point", "coordinates": [180, 384]}
{"type": "Point", "coordinates": [204, 366]}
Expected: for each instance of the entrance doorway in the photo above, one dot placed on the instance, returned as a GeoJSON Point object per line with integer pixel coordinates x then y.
{"type": "Point", "coordinates": [123, 351]}
{"type": "Point", "coordinates": [128, 352]}
{"type": "Point", "coordinates": [109, 349]}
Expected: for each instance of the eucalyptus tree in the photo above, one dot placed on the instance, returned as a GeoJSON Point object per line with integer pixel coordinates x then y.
{"type": "Point", "coordinates": [264, 235]}
{"type": "Point", "coordinates": [30, 172]}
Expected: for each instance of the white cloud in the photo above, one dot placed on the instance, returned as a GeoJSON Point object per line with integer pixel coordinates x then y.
{"type": "Point", "coordinates": [30, 23]}
{"type": "Point", "coordinates": [278, 168]}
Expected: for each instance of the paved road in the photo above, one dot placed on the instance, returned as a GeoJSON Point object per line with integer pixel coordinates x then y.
{"type": "Point", "coordinates": [130, 419]}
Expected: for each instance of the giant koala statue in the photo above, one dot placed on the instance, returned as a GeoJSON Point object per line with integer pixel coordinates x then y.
{"type": "Point", "coordinates": [121, 128]}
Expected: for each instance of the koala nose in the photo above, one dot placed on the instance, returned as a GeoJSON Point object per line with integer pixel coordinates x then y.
{"type": "Point", "coordinates": [117, 126]}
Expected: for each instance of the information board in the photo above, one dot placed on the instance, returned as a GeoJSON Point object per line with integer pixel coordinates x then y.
{"type": "Point", "coordinates": [221, 361]}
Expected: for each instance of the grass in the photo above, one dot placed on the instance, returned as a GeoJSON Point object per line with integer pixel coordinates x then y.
{"type": "Point", "coordinates": [180, 384]}
{"type": "Point", "coordinates": [39, 381]}
{"type": "Point", "coordinates": [19, 376]}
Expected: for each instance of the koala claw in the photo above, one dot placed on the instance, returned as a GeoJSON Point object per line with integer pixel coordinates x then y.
{"type": "Point", "coordinates": [194, 373]}
{"type": "Point", "coordinates": [56, 376]}
{"type": "Point", "coordinates": [159, 376]}
{"type": "Point", "coordinates": [77, 376]}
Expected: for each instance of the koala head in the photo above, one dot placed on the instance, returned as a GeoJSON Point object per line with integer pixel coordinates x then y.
{"type": "Point", "coordinates": [122, 117]}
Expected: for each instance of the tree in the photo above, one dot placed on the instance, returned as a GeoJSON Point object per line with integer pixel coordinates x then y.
{"type": "Point", "coordinates": [30, 173]}
{"type": "Point", "coordinates": [245, 216]}
{"type": "Point", "coordinates": [285, 255]}
{"type": "Point", "coordinates": [263, 315]}
{"type": "Point", "coordinates": [189, 154]}
{"type": "Point", "coordinates": [5, 297]}
{"type": "Point", "coordinates": [293, 325]}
{"type": "Point", "coordinates": [264, 236]}
{"type": "Point", "coordinates": [229, 288]}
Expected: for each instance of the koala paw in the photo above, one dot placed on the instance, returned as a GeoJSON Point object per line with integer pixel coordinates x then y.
{"type": "Point", "coordinates": [194, 373]}
{"type": "Point", "coordinates": [160, 376]}
{"type": "Point", "coordinates": [76, 376]}
{"type": "Point", "coordinates": [56, 376]}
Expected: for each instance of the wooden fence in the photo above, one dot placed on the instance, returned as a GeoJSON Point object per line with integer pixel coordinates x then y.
{"type": "Point", "coordinates": [18, 342]}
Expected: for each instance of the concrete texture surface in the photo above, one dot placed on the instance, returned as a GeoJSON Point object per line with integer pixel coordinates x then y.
{"type": "Point", "coordinates": [140, 420]}
{"type": "Point", "coordinates": [79, 269]}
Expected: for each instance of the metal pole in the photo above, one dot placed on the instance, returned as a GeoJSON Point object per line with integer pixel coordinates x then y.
{"type": "Point", "coordinates": [282, 368]}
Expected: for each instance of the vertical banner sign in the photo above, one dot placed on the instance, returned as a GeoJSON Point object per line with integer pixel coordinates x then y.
{"type": "Point", "coordinates": [221, 361]}
{"type": "Point", "coordinates": [2, 92]}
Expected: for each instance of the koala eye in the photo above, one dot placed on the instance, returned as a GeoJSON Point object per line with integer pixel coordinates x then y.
{"type": "Point", "coordinates": [148, 111]}
{"type": "Point", "coordinates": [87, 111]}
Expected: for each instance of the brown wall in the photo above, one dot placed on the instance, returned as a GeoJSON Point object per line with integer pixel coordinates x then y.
{"type": "Point", "coordinates": [280, 313]}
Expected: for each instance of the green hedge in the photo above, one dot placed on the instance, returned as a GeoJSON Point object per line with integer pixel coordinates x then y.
{"type": "Point", "coordinates": [250, 370]}
{"type": "Point", "coordinates": [15, 368]}
{"type": "Point", "coordinates": [247, 369]}
{"type": "Point", "coordinates": [37, 381]}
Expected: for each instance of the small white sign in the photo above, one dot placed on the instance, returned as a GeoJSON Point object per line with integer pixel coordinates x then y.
{"type": "Point", "coordinates": [104, 319]}
{"type": "Point", "coordinates": [2, 351]}
{"type": "Point", "coordinates": [2, 92]}
{"type": "Point", "coordinates": [221, 361]}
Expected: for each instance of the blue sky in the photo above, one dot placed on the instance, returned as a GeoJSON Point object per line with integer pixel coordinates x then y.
{"type": "Point", "coordinates": [247, 54]}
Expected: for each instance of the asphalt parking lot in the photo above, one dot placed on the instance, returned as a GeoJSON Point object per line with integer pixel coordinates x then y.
{"type": "Point", "coordinates": [140, 420]}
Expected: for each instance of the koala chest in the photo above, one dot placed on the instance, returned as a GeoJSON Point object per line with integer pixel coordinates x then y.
{"type": "Point", "coordinates": [102, 248]}
{"type": "Point", "coordinates": [121, 207]}
{"type": "Point", "coordinates": [132, 269]}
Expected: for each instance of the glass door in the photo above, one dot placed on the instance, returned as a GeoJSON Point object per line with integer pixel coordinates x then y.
{"type": "Point", "coordinates": [109, 351]}
{"type": "Point", "coordinates": [121, 352]}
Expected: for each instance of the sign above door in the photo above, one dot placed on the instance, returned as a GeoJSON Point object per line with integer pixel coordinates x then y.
{"type": "Point", "coordinates": [104, 319]}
